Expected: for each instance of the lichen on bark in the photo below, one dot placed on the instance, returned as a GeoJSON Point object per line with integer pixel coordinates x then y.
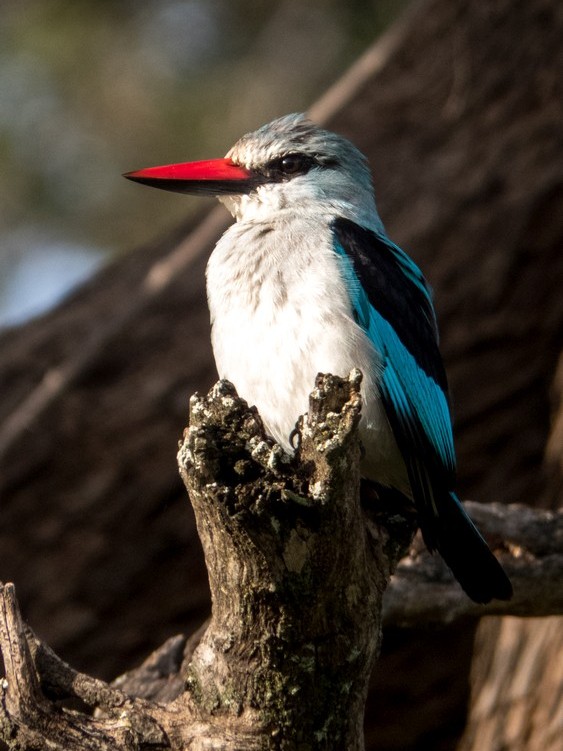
{"type": "Point", "coordinates": [296, 577]}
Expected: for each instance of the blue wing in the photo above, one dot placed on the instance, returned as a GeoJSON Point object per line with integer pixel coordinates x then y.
{"type": "Point", "coordinates": [392, 303]}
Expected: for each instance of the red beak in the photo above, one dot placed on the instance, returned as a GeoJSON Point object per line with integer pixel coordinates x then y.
{"type": "Point", "coordinates": [211, 178]}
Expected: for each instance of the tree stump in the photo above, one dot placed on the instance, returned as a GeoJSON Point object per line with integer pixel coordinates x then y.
{"type": "Point", "coordinates": [297, 574]}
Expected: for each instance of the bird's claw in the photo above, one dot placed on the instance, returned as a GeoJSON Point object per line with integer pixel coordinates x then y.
{"type": "Point", "coordinates": [295, 438]}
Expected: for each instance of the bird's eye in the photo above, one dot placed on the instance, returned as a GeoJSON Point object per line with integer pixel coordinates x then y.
{"type": "Point", "coordinates": [292, 164]}
{"type": "Point", "coordinates": [288, 166]}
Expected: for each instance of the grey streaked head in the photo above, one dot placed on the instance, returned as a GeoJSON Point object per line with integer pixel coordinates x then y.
{"type": "Point", "coordinates": [295, 135]}
{"type": "Point", "coordinates": [299, 165]}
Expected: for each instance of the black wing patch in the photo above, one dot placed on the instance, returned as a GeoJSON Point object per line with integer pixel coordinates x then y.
{"type": "Point", "coordinates": [397, 290]}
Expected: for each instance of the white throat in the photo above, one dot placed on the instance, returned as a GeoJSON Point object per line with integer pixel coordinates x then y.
{"type": "Point", "coordinates": [319, 193]}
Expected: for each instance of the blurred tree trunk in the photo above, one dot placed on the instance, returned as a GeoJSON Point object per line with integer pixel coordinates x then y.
{"type": "Point", "coordinates": [459, 109]}
{"type": "Point", "coordinates": [517, 684]}
{"type": "Point", "coordinates": [516, 700]}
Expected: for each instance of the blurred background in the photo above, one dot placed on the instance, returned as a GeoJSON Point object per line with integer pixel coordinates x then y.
{"type": "Point", "coordinates": [90, 89]}
{"type": "Point", "coordinates": [461, 117]}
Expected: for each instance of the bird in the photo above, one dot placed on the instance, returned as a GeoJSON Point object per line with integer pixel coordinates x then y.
{"type": "Point", "coordinates": [306, 280]}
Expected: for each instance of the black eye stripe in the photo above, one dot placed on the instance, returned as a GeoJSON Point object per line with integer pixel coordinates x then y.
{"type": "Point", "coordinates": [288, 166]}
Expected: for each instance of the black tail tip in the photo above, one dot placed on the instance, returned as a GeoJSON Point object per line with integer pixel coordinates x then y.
{"type": "Point", "coordinates": [495, 587]}
{"type": "Point", "coordinates": [468, 556]}
{"type": "Point", "coordinates": [478, 571]}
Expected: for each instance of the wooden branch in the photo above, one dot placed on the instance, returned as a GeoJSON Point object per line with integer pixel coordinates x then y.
{"type": "Point", "coordinates": [297, 569]}
{"type": "Point", "coordinates": [529, 543]}
{"type": "Point", "coordinates": [28, 720]}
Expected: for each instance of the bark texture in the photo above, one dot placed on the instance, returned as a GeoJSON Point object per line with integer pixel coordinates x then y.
{"type": "Point", "coordinates": [297, 579]}
{"type": "Point", "coordinates": [297, 567]}
{"type": "Point", "coordinates": [516, 702]}
{"type": "Point", "coordinates": [459, 110]}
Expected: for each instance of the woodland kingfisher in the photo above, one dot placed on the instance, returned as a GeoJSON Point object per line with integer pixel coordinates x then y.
{"type": "Point", "coordinates": [307, 281]}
